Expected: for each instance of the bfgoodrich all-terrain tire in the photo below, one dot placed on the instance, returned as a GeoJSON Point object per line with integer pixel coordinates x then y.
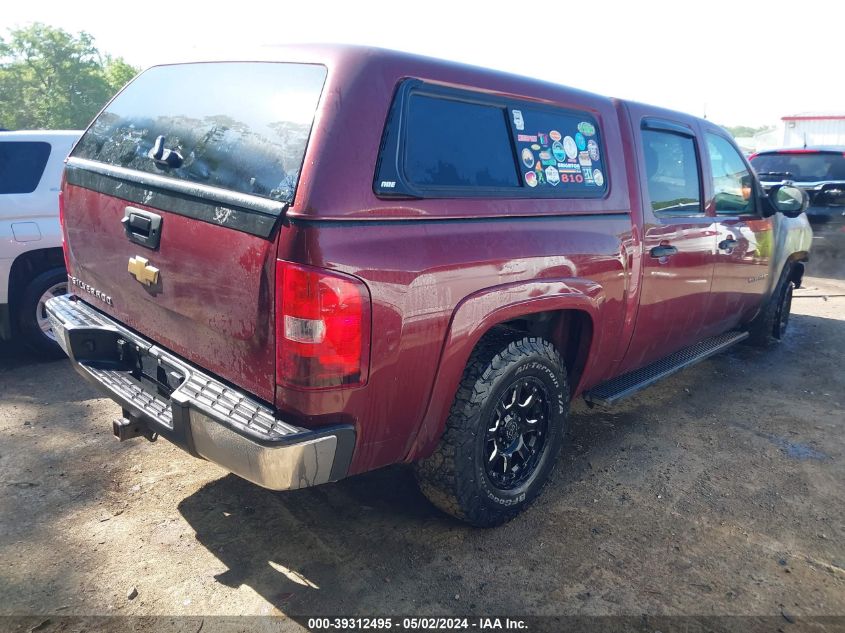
{"type": "Point", "coordinates": [769, 326]}
{"type": "Point", "coordinates": [503, 434]}
{"type": "Point", "coordinates": [31, 316]}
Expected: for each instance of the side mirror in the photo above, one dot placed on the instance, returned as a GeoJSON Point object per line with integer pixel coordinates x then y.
{"type": "Point", "coordinates": [789, 200]}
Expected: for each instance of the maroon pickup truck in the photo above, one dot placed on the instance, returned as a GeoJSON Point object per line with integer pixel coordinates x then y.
{"type": "Point", "coordinates": [313, 266]}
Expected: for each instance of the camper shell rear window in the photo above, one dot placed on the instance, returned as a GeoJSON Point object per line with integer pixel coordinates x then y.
{"type": "Point", "coordinates": [441, 143]}
{"type": "Point", "coordinates": [239, 126]}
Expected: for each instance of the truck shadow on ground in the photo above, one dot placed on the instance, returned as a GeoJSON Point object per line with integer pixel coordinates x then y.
{"type": "Point", "coordinates": [347, 547]}
{"type": "Point", "coordinates": [15, 356]}
{"type": "Point", "coordinates": [366, 541]}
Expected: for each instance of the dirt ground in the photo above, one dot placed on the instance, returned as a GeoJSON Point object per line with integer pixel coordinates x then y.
{"type": "Point", "coordinates": [719, 491]}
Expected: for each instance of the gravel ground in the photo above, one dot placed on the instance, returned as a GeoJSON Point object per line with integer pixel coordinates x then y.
{"type": "Point", "coordinates": [716, 492]}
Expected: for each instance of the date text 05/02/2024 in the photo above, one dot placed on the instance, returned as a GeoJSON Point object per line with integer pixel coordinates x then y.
{"type": "Point", "coordinates": [418, 624]}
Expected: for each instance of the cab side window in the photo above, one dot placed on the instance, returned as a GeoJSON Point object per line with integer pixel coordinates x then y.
{"type": "Point", "coordinates": [732, 183]}
{"type": "Point", "coordinates": [671, 165]}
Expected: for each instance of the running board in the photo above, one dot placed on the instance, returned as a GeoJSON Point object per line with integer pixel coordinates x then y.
{"type": "Point", "coordinates": [628, 384]}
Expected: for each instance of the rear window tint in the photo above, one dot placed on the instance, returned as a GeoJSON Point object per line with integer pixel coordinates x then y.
{"type": "Point", "coordinates": [239, 126]}
{"type": "Point", "coordinates": [22, 165]}
{"type": "Point", "coordinates": [457, 144]}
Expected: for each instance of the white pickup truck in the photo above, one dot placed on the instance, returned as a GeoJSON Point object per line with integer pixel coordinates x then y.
{"type": "Point", "coordinates": [32, 267]}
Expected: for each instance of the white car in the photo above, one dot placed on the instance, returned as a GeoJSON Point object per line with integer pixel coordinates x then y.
{"type": "Point", "coordinates": [32, 267]}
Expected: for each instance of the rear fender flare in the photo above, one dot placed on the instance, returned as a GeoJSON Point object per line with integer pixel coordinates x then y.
{"type": "Point", "coordinates": [476, 315]}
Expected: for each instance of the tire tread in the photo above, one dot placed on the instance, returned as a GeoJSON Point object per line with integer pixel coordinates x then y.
{"type": "Point", "coordinates": [440, 475]}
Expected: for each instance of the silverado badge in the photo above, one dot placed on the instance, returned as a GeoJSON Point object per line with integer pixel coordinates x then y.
{"type": "Point", "coordinates": [139, 267]}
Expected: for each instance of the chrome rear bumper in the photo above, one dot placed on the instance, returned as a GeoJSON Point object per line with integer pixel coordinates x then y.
{"type": "Point", "coordinates": [202, 415]}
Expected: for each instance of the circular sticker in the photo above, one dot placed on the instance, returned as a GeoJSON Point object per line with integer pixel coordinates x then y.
{"type": "Point", "coordinates": [558, 151]}
{"type": "Point", "coordinates": [545, 155]}
{"type": "Point", "coordinates": [593, 149]}
{"type": "Point", "coordinates": [586, 128]}
{"type": "Point", "coordinates": [569, 147]}
{"type": "Point", "coordinates": [531, 179]}
{"type": "Point", "coordinates": [554, 135]}
{"type": "Point", "coordinates": [552, 175]}
{"type": "Point", "coordinates": [598, 177]}
{"type": "Point", "coordinates": [535, 147]}
{"type": "Point", "coordinates": [527, 158]}
{"type": "Point", "coordinates": [580, 141]}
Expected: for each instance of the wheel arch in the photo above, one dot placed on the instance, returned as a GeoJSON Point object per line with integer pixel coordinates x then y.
{"type": "Point", "coordinates": [25, 268]}
{"type": "Point", "coordinates": [563, 311]}
{"type": "Point", "coordinates": [30, 264]}
{"type": "Point", "coordinates": [796, 270]}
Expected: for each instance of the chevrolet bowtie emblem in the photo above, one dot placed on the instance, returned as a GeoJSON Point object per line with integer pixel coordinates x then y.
{"type": "Point", "coordinates": [139, 267]}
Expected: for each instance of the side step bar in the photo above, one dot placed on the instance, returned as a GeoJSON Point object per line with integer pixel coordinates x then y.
{"type": "Point", "coordinates": [616, 389]}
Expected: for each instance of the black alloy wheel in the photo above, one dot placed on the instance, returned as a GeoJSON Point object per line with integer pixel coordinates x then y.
{"type": "Point", "coordinates": [515, 440]}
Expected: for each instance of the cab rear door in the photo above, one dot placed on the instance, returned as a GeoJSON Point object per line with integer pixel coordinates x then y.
{"type": "Point", "coordinates": [678, 238]}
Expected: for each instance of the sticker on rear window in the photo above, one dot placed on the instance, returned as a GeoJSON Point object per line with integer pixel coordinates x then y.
{"type": "Point", "coordinates": [587, 129]}
{"type": "Point", "coordinates": [570, 147]}
{"type": "Point", "coordinates": [527, 158]}
{"type": "Point", "coordinates": [562, 152]}
{"type": "Point", "coordinates": [593, 149]}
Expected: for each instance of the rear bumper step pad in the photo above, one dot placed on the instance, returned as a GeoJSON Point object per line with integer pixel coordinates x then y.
{"type": "Point", "coordinates": [204, 416]}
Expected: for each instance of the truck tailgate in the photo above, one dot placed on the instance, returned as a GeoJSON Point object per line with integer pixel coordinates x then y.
{"type": "Point", "coordinates": [213, 303]}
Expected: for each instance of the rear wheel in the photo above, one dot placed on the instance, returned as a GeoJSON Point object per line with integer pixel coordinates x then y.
{"type": "Point", "coordinates": [503, 434]}
{"type": "Point", "coordinates": [32, 313]}
{"type": "Point", "coordinates": [769, 327]}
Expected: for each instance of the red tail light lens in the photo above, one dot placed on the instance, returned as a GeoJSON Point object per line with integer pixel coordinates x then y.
{"type": "Point", "coordinates": [64, 232]}
{"type": "Point", "coordinates": [322, 328]}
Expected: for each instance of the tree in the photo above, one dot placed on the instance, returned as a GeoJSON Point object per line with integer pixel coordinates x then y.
{"type": "Point", "coordinates": [52, 79]}
{"type": "Point", "coordinates": [744, 130]}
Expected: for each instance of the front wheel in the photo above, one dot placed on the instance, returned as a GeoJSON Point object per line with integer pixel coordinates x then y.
{"type": "Point", "coordinates": [769, 327]}
{"type": "Point", "coordinates": [503, 434]}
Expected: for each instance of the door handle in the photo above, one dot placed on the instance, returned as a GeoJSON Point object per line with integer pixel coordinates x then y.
{"type": "Point", "coordinates": [142, 227]}
{"type": "Point", "coordinates": [663, 251]}
{"type": "Point", "coordinates": [727, 245]}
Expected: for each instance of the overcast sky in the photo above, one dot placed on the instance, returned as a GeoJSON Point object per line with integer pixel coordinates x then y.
{"type": "Point", "coordinates": [741, 62]}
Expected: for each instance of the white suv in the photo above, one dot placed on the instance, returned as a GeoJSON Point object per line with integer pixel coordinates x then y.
{"type": "Point", "coordinates": [32, 267]}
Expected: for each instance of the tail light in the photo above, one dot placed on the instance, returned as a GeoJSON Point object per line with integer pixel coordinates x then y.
{"type": "Point", "coordinates": [64, 231]}
{"type": "Point", "coordinates": [322, 328]}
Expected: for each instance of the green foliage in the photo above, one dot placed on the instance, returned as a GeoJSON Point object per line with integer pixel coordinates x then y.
{"type": "Point", "coordinates": [51, 79]}
{"type": "Point", "coordinates": [744, 130]}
